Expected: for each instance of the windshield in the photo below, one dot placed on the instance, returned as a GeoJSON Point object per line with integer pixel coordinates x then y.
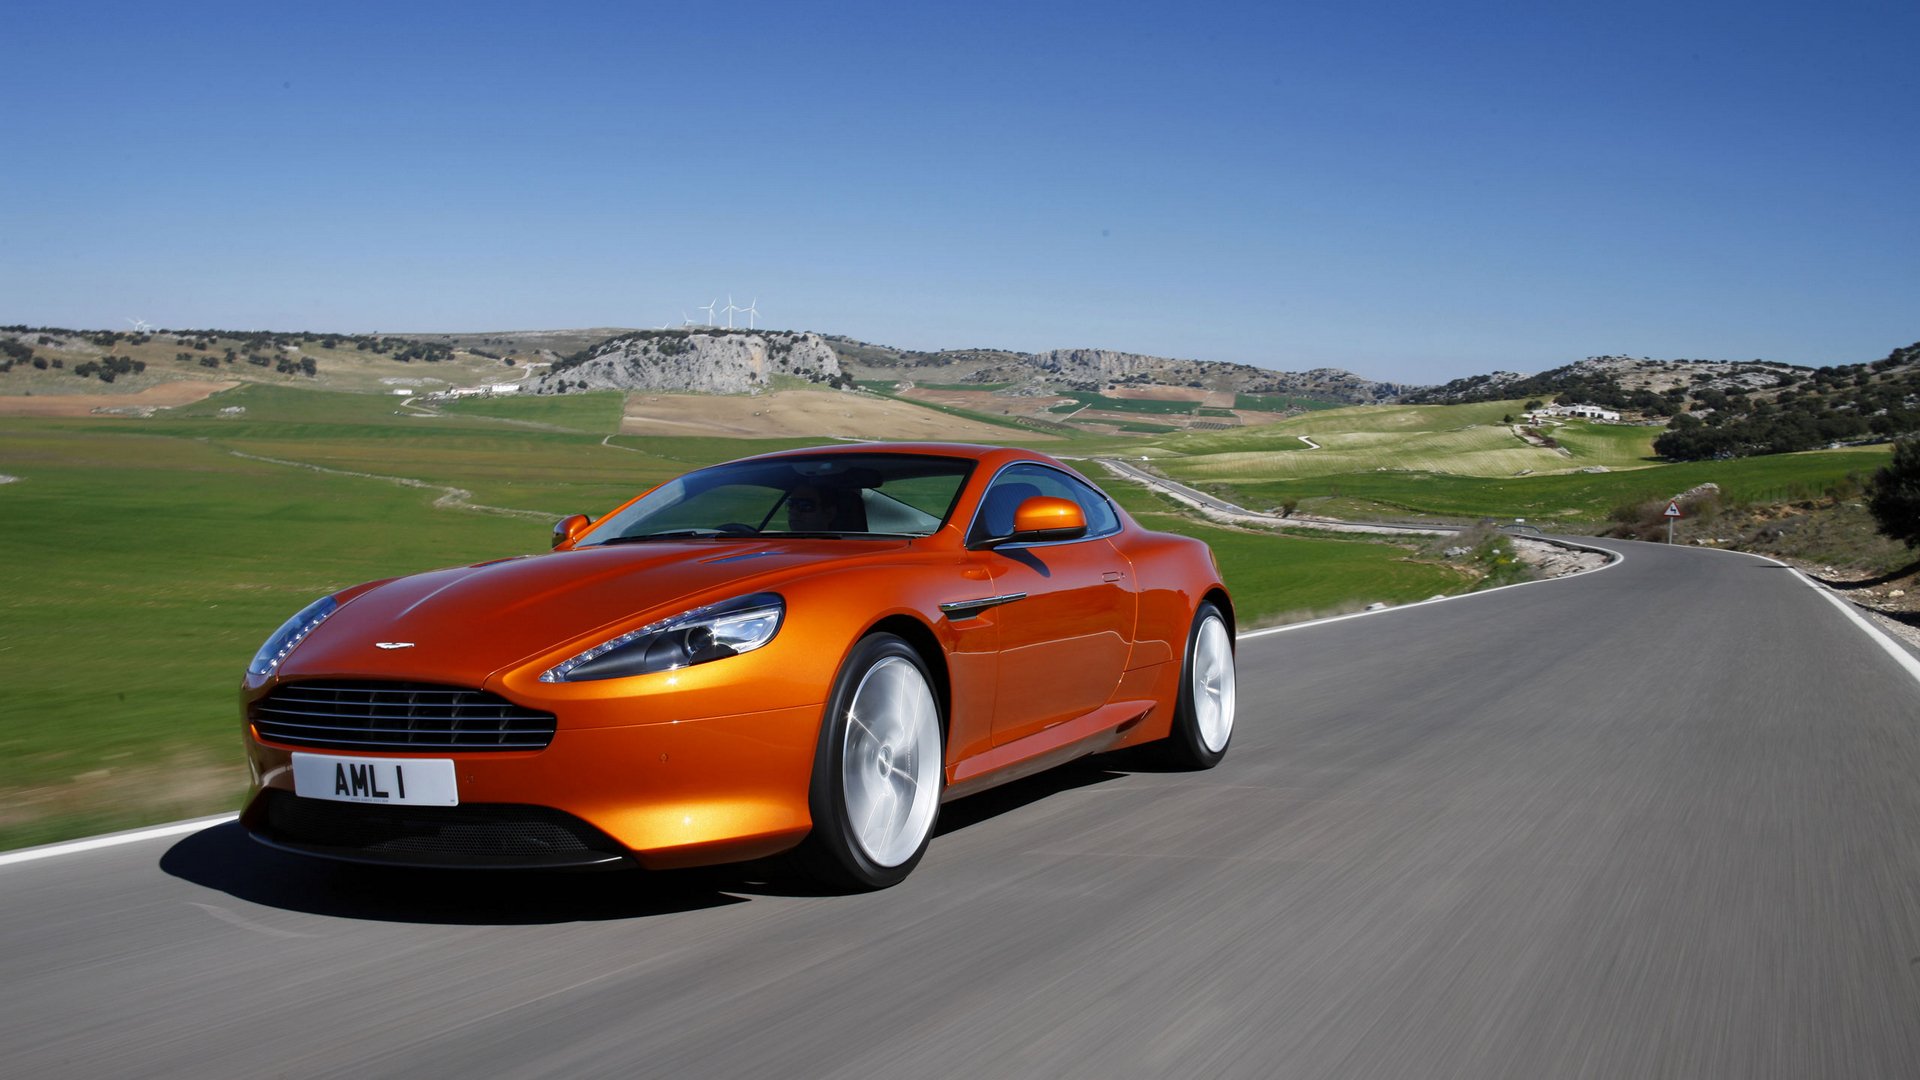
{"type": "Point", "coordinates": [827, 496]}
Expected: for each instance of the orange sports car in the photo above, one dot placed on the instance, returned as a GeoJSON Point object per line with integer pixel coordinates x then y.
{"type": "Point", "coordinates": [805, 651]}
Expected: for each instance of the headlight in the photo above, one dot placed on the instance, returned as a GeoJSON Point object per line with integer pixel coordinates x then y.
{"type": "Point", "coordinates": [714, 632]}
{"type": "Point", "coordinates": [291, 633]}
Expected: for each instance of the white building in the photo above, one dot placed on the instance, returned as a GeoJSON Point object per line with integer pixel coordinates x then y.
{"type": "Point", "coordinates": [1592, 412]}
{"type": "Point", "coordinates": [489, 390]}
{"type": "Point", "coordinates": [1584, 412]}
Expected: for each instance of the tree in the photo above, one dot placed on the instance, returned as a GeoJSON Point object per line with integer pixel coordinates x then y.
{"type": "Point", "coordinates": [1895, 503]}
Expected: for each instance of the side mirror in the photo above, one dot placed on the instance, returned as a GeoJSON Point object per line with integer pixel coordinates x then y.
{"type": "Point", "coordinates": [1042, 518]}
{"type": "Point", "coordinates": [569, 528]}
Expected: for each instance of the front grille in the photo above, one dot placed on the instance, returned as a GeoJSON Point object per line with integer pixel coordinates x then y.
{"type": "Point", "coordinates": [479, 834]}
{"type": "Point", "coordinates": [398, 716]}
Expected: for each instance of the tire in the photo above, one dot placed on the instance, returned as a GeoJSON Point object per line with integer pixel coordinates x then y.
{"type": "Point", "coordinates": [878, 770]}
{"type": "Point", "coordinates": [1203, 715]}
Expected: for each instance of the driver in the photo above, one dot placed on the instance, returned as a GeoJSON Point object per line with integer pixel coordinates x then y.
{"type": "Point", "coordinates": [809, 509]}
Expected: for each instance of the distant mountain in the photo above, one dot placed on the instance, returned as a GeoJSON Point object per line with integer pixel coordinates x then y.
{"type": "Point", "coordinates": [1720, 408]}
{"type": "Point", "coordinates": [704, 361]}
{"type": "Point", "coordinates": [1097, 370]}
{"type": "Point", "coordinates": [1617, 382]}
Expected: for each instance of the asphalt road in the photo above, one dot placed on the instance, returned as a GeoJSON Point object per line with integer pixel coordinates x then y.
{"type": "Point", "coordinates": [1655, 821]}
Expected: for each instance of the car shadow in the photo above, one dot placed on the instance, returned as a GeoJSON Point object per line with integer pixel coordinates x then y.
{"type": "Point", "coordinates": [226, 860]}
{"type": "Point", "coordinates": [993, 802]}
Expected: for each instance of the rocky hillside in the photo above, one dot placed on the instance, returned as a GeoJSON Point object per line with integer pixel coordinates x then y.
{"type": "Point", "coordinates": [1725, 409]}
{"type": "Point", "coordinates": [1101, 369]}
{"type": "Point", "coordinates": [1619, 382]}
{"type": "Point", "coordinates": [704, 361]}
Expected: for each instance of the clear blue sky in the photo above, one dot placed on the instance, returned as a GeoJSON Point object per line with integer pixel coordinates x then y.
{"type": "Point", "coordinates": [1413, 191]}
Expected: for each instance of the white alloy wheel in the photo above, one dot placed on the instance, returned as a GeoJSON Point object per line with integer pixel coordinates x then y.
{"type": "Point", "coordinates": [1211, 684]}
{"type": "Point", "coordinates": [890, 761]}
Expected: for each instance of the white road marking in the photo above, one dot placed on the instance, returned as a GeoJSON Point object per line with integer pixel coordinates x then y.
{"type": "Point", "coordinates": [1900, 656]}
{"type": "Point", "coordinates": [74, 847]}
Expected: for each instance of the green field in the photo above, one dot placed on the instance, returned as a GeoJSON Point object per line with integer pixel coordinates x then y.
{"type": "Point", "coordinates": [121, 646]}
{"type": "Point", "coordinates": [1573, 500]}
{"type": "Point", "coordinates": [1463, 462]}
{"type": "Point", "coordinates": [1088, 400]}
{"type": "Point", "coordinates": [1440, 441]}
{"type": "Point", "coordinates": [1279, 578]}
{"type": "Point", "coordinates": [594, 413]}
{"type": "Point", "coordinates": [122, 643]}
{"type": "Point", "coordinates": [1280, 403]}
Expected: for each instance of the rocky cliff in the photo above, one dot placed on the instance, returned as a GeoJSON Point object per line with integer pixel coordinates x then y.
{"type": "Point", "coordinates": [1102, 369]}
{"type": "Point", "coordinates": [705, 361]}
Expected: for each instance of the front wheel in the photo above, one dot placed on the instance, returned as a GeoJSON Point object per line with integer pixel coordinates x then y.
{"type": "Point", "coordinates": [1203, 716]}
{"type": "Point", "coordinates": [878, 769]}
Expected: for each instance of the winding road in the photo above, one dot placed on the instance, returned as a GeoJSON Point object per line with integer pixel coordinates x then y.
{"type": "Point", "coordinates": [1653, 821]}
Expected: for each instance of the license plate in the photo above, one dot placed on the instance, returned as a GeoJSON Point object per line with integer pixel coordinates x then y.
{"type": "Point", "coordinates": [408, 781]}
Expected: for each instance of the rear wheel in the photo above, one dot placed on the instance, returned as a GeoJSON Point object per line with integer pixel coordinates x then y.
{"type": "Point", "coordinates": [1203, 716]}
{"type": "Point", "coordinates": [878, 769]}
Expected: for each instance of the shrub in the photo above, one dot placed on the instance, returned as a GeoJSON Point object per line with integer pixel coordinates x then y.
{"type": "Point", "coordinates": [1895, 503]}
{"type": "Point", "coordinates": [1648, 520]}
{"type": "Point", "coordinates": [1488, 550]}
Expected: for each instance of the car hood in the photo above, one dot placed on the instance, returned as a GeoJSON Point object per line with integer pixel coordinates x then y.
{"type": "Point", "coordinates": [463, 624]}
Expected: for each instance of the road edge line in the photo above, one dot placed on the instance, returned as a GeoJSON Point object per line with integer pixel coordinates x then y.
{"type": "Point", "coordinates": [94, 843]}
{"type": "Point", "coordinates": [1891, 647]}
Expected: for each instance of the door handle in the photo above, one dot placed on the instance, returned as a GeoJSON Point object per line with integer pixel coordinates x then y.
{"type": "Point", "coordinates": [1112, 575]}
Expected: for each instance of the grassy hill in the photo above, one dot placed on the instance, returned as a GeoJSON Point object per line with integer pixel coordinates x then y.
{"type": "Point", "coordinates": [1463, 462]}
{"type": "Point", "coordinates": [1451, 440]}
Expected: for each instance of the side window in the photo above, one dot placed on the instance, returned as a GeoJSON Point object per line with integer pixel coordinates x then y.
{"type": "Point", "coordinates": [1018, 483]}
{"type": "Point", "coordinates": [1101, 519]}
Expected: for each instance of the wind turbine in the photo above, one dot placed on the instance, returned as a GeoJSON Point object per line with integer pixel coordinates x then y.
{"type": "Point", "coordinates": [752, 309]}
{"type": "Point", "coordinates": [711, 304]}
{"type": "Point", "coordinates": [139, 325]}
{"type": "Point", "coordinates": [684, 321]}
{"type": "Point", "coordinates": [730, 310]}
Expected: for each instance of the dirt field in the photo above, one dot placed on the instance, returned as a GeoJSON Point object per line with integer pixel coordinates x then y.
{"type": "Point", "coordinates": [827, 413]}
{"type": "Point", "coordinates": [986, 401]}
{"type": "Point", "coordinates": [1218, 399]}
{"type": "Point", "coordinates": [164, 396]}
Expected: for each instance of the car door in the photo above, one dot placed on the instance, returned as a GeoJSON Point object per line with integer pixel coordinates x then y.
{"type": "Point", "coordinates": [1064, 643]}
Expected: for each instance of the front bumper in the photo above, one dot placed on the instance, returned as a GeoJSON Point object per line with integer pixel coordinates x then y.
{"type": "Point", "coordinates": [658, 795]}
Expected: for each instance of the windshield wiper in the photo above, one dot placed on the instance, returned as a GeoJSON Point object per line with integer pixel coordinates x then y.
{"type": "Point", "coordinates": [677, 534]}
{"type": "Point", "coordinates": [717, 534]}
{"type": "Point", "coordinates": [843, 534]}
